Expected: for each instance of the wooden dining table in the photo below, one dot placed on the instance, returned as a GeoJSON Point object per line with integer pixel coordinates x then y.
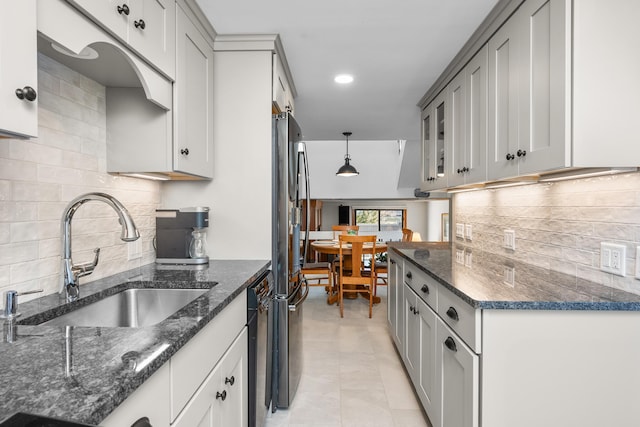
{"type": "Point", "coordinates": [332, 247]}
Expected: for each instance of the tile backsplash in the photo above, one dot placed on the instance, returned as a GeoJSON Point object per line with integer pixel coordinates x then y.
{"type": "Point", "coordinates": [39, 176]}
{"type": "Point", "coordinates": [558, 225]}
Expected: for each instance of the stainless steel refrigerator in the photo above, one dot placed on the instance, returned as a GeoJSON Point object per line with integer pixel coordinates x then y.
{"type": "Point", "coordinates": [290, 181]}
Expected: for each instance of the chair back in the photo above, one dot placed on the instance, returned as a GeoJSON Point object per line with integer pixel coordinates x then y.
{"type": "Point", "coordinates": [407, 235]}
{"type": "Point", "coordinates": [343, 229]}
{"type": "Point", "coordinates": [357, 244]}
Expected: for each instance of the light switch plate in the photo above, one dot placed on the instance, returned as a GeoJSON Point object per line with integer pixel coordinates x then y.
{"type": "Point", "coordinates": [510, 239]}
{"type": "Point", "coordinates": [509, 275]}
{"type": "Point", "coordinates": [467, 232]}
{"type": "Point", "coordinates": [460, 231]}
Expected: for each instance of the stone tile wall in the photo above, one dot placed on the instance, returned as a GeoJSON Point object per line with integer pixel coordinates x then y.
{"type": "Point", "coordinates": [39, 176]}
{"type": "Point", "coordinates": [558, 225]}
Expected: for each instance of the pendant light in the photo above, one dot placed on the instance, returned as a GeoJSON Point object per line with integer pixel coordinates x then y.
{"type": "Point", "coordinates": [347, 169]}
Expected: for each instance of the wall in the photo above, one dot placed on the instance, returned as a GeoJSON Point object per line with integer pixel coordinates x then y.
{"type": "Point", "coordinates": [239, 195]}
{"type": "Point", "coordinates": [417, 212]}
{"type": "Point", "coordinates": [38, 177]}
{"type": "Point", "coordinates": [378, 162]}
{"type": "Point", "coordinates": [559, 225]}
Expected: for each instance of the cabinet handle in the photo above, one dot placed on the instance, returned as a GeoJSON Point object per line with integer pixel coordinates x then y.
{"type": "Point", "coordinates": [409, 276]}
{"type": "Point", "coordinates": [416, 311]}
{"type": "Point", "coordinates": [142, 422]}
{"type": "Point", "coordinates": [123, 9]}
{"type": "Point", "coordinates": [139, 24]}
{"type": "Point", "coordinates": [510, 156]}
{"type": "Point", "coordinates": [184, 151]}
{"type": "Point", "coordinates": [392, 262]}
{"type": "Point", "coordinates": [452, 313]}
{"type": "Point", "coordinates": [27, 93]}
{"type": "Point", "coordinates": [229, 380]}
{"type": "Point", "coordinates": [222, 395]}
{"type": "Point", "coordinates": [521, 153]}
{"type": "Point", "coordinates": [465, 169]}
{"type": "Point", "coordinates": [451, 344]}
{"type": "Point", "coordinates": [459, 171]}
{"type": "Point", "coordinates": [425, 289]}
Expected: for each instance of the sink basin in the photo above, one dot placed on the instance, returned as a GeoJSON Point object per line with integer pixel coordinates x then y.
{"type": "Point", "coordinates": [131, 308]}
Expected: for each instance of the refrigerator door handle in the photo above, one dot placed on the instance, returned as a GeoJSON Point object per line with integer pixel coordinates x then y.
{"type": "Point", "coordinates": [294, 306]}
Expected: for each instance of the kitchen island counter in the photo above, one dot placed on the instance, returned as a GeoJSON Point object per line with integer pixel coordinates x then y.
{"type": "Point", "coordinates": [84, 373]}
{"type": "Point", "coordinates": [478, 278]}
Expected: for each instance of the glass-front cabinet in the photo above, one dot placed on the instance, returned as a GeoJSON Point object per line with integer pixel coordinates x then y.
{"type": "Point", "coordinates": [433, 151]}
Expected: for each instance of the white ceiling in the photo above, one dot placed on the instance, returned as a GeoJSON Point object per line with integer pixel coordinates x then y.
{"type": "Point", "coordinates": [395, 49]}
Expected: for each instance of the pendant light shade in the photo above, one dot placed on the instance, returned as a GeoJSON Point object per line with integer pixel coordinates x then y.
{"type": "Point", "coordinates": [347, 169]}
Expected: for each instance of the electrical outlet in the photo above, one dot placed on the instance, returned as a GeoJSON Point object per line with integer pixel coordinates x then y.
{"type": "Point", "coordinates": [509, 275]}
{"type": "Point", "coordinates": [613, 258]}
{"type": "Point", "coordinates": [134, 249]}
{"type": "Point", "coordinates": [468, 258]}
{"type": "Point", "coordinates": [460, 230]}
{"type": "Point", "coordinates": [467, 232]}
{"type": "Point", "coordinates": [460, 256]}
{"type": "Point", "coordinates": [510, 239]}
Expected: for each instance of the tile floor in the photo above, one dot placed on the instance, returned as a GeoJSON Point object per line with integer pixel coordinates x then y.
{"type": "Point", "coordinates": [352, 376]}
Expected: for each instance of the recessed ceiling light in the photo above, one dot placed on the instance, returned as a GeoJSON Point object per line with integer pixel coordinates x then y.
{"type": "Point", "coordinates": [343, 79]}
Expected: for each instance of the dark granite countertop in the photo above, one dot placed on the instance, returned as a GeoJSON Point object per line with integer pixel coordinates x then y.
{"type": "Point", "coordinates": [482, 284]}
{"type": "Point", "coordinates": [33, 367]}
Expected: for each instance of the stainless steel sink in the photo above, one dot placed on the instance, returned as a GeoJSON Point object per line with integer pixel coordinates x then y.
{"type": "Point", "coordinates": [132, 308]}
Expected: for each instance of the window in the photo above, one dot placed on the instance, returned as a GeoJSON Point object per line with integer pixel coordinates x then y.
{"type": "Point", "coordinates": [380, 219]}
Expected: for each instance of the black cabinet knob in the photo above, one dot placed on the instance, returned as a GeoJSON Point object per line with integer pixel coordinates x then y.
{"type": "Point", "coordinates": [139, 24]}
{"type": "Point", "coordinates": [27, 93]}
{"type": "Point", "coordinates": [510, 156]}
{"type": "Point", "coordinates": [142, 422]}
{"type": "Point", "coordinates": [409, 275]}
{"type": "Point", "coordinates": [451, 344]}
{"type": "Point", "coordinates": [222, 395]}
{"type": "Point", "coordinates": [465, 169]}
{"type": "Point", "coordinates": [184, 151]}
{"type": "Point", "coordinates": [123, 9]}
{"type": "Point", "coordinates": [521, 153]}
{"type": "Point", "coordinates": [229, 381]}
{"type": "Point", "coordinates": [392, 261]}
{"type": "Point", "coordinates": [453, 314]}
{"type": "Point", "coordinates": [425, 289]}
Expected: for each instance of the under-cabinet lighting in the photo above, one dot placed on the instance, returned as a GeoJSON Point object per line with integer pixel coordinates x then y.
{"type": "Point", "coordinates": [584, 173]}
{"type": "Point", "coordinates": [153, 176]}
{"type": "Point", "coordinates": [343, 79]}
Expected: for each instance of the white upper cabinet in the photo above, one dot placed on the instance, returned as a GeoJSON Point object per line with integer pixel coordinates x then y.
{"type": "Point", "coordinates": [553, 65]}
{"type": "Point", "coordinates": [434, 138]}
{"type": "Point", "coordinates": [147, 26]}
{"type": "Point", "coordinates": [282, 91]}
{"type": "Point", "coordinates": [193, 101]}
{"type": "Point", "coordinates": [18, 69]}
{"type": "Point", "coordinates": [527, 102]}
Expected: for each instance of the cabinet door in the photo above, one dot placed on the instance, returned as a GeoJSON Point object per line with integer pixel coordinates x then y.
{"type": "Point", "coordinates": [391, 294]}
{"type": "Point", "coordinates": [18, 68]}
{"type": "Point", "coordinates": [476, 79]}
{"type": "Point", "coordinates": [396, 302]}
{"type": "Point", "coordinates": [217, 403]}
{"type": "Point", "coordinates": [458, 380]}
{"type": "Point", "coordinates": [193, 101]}
{"type": "Point", "coordinates": [428, 170]}
{"type": "Point", "coordinates": [455, 148]}
{"type": "Point", "coordinates": [411, 352]}
{"type": "Point", "coordinates": [152, 32]}
{"type": "Point", "coordinates": [425, 382]}
{"type": "Point", "coordinates": [542, 142]}
{"type": "Point", "coordinates": [503, 100]}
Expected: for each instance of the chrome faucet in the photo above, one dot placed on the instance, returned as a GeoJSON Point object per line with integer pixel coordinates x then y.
{"type": "Point", "coordinates": [71, 273]}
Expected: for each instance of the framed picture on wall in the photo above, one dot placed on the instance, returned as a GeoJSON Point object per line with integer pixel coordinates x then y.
{"type": "Point", "coordinates": [445, 227]}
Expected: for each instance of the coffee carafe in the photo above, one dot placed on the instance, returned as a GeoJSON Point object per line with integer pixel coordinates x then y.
{"type": "Point", "coordinates": [181, 235]}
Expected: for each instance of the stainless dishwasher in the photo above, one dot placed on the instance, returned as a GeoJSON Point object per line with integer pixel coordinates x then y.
{"type": "Point", "coordinates": [258, 299]}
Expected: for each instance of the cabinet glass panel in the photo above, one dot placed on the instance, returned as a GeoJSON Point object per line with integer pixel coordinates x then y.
{"type": "Point", "coordinates": [426, 148]}
{"type": "Point", "coordinates": [440, 139]}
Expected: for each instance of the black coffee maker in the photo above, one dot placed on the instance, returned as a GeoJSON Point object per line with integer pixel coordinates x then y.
{"type": "Point", "coordinates": [181, 235]}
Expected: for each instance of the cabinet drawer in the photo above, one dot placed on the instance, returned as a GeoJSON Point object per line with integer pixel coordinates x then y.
{"type": "Point", "coordinates": [424, 286]}
{"type": "Point", "coordinates": [461, 317]}
{"type": "Point", "coordinates": [191, 365]}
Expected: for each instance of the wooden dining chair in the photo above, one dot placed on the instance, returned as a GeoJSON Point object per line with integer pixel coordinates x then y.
{"type": "Point", "coordinates": [357, 278]}
{"type": "Point", "coordinates": [337, 231]}
{"type": "Point", "coordinates": [319, 271]}
{"type": "Point", "coordinates": [407, 235]}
